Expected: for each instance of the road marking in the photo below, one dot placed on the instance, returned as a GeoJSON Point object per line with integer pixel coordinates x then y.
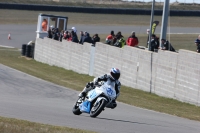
{"type": "Point", "coordinates": [6, 46]}
{"type": "Point", "coordinates": [179, 33]}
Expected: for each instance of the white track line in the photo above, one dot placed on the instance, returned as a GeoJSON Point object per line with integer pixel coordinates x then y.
{"type": "Point", "coordinates": [6, 46]}
{"type": "Point", "coordinates": [183, 33]}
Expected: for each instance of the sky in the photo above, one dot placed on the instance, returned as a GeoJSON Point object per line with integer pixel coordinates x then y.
{"type": "Point", "coordinates": [171, 1]}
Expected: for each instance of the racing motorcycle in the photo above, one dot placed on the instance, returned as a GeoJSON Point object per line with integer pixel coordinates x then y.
{"type": "Point", "coordinates": [96, 100]}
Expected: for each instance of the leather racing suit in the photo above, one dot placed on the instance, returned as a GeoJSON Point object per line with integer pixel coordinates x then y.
{"type": "Point", "coordinates": [104, 78]}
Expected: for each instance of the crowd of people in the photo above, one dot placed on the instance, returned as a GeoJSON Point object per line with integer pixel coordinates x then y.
{"type": "Point", "coordinates": [71, 35]}
{"type": "Point", "coordinates": [118, 40]}
{"type": "Point", "coordinates": [113, 39]}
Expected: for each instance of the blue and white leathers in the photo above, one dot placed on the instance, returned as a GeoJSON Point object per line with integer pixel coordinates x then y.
{"type": "Point", "coordinates": [105, 91]}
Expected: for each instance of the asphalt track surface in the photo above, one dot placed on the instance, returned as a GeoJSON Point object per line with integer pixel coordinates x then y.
{"type": "Point", "coordinates": [22, 34]}
{"type": "Point", "coordinates": [25, 97]}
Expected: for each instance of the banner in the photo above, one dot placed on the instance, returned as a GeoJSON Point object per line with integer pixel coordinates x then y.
{"type": "Point", "coordinates": [154, 25]}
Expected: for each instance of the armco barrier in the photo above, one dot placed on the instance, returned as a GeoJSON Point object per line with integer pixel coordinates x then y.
{"type": "Point", "coordinates": [168, 74]}
{"type": "Point", "coordinates": [95, 10]}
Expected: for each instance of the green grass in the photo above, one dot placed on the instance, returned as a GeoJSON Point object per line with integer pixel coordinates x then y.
{"type": "Point", "coordinates": [70, 79]}
{"type": "Point", "coordinates": [30, 17]}
{"type": "Point", "coordinates": [10, 125]}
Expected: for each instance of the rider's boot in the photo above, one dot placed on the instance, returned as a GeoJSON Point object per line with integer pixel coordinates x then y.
{"type": "Point", "coordinates": [114, 104]}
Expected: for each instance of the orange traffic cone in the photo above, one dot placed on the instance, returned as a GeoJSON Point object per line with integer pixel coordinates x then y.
{"type": "Point", "coordinates": [9, 36]}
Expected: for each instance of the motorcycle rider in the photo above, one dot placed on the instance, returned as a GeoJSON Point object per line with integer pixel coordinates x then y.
{"type": "Point", "coordinates": [113, 76]}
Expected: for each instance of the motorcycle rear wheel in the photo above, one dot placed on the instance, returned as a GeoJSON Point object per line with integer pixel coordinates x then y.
{"type": "Point", "coordinates": [76, 109]}
{"type": "Point", "coordinates": [96, 110]}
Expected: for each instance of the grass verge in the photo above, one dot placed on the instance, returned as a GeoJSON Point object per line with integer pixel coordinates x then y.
{"type": "Point", "coordinates": [76, 81]}
{"type": "Point", "coordinates": [10, 125]}
{"type": "Point", "coordinates": [30, 17]}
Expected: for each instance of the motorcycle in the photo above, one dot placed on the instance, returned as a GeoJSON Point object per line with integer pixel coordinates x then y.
{"type": "Point", "coordinates": [96, 100]}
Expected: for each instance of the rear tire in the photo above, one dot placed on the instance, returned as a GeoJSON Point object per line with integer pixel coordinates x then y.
{"type": "Point", "coordinates": [76, 109]}
{"type": "Point", "coordinates": [95, 111]}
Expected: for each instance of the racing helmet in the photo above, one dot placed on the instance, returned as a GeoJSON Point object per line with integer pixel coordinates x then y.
{"type": "Point", "coordinates": [114, 73]}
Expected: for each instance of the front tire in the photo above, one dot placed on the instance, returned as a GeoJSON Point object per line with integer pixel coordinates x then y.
{"type": "Point", "coordinates": [96, 110]}
{"type": "Point", "coordinates": [76, 109]}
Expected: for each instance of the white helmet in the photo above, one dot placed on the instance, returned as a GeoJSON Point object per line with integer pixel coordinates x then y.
{"type": "Point", "coordinates": [115, 73]}
{"type": "Point", "coordinates": [74, 29]}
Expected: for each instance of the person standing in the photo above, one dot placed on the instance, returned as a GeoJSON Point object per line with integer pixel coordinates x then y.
{"type": "Point", "coordinates": [49, 33]}
{"type": "Point", "coordinates": [197, 42]}
{"type": "Point", "coordinates": [74, 37]}
{"type": "Point", "coordinates": [81, 37]}
{"type": "Point", "coordinates": [95, 39]}
{"type": "Point", "coordinates": [132, 40]}
{"type": "Point", "coordinates": [61, 35]}
{"type": "Point", "coordinates": [154, 43]}
{"type": "Point", "coordinates": [166, 45]}
{"type": "Point", "coordinates": [87, 38]}
{"type": "Point", "coordinates": [110, 38]}
{"type": "Point", "coordinates": [44, 25]}
{"type": "Point", "coordinates": [120, 41]}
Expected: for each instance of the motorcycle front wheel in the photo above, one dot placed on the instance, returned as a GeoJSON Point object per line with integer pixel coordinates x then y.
{"type": "Point", "coordinates": [76, 109]}
{"type": "Point", "coordinates": [98, 108]}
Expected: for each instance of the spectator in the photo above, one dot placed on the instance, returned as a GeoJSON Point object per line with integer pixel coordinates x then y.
{"type": "Point", "coordinates": [69, 37]}
{"type": "Point", "coordinates": [157, 42]}
{"type": "Point", "coordinates": [81, 37]}
{"type": "Point", "coordinates": [61, 35]}
{"type": "Point", "coordinates": [74, 37]}
{"type": "Point", "coordinates": [197, 42]}
{"type": "Point", "coordinates": [120, 41]}
{"type": "Point", "coordinates": [55, 34]}
{"type": "Point", "coordinates": [66, 36]}
{"type": "Point", "coordinates": [44, 25]}
{"type": "Point", "coordinates": [74, 29]}
{"type": "Point", "coordinates": [110, 38]}
{"type": "Point", "coordinates": [95, 39]}
{"type": "Point", "coordinates": [87, 38]}
{"type": "Point", "coordinates": [166, 45]}
{"type": "Point", "coordinates": [132, 40]}
{"type": "Point", "coordinates": [154, 43]}
{"type": "Point", "coordinates": [49, 33]}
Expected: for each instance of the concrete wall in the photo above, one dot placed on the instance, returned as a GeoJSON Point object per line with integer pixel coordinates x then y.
{"type": "Point", "coordinates": [168, 74]}
{"type": "Point", "coordinates": [188, 77]}
{"type": "Point", "coordinates": [69, 55]}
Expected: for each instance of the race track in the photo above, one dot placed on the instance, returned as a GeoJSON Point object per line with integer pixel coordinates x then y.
{"type": "Point", "coordinates": [29, 98]}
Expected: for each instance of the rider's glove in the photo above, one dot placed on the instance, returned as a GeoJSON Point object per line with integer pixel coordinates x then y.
{"type": "Point", "coordinates": [96, 83]}
{"type": "Point", "coordinates": [82, 94]}
{"type": "Point", "coordinates": [89, 84]}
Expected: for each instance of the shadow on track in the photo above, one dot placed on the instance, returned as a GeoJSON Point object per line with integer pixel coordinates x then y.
{"type": "Point", "coordinates": [127, 121]}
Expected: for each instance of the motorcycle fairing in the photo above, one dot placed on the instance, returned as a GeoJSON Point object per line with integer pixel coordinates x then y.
{"type": "Point", "coordinates": [85, 106]}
